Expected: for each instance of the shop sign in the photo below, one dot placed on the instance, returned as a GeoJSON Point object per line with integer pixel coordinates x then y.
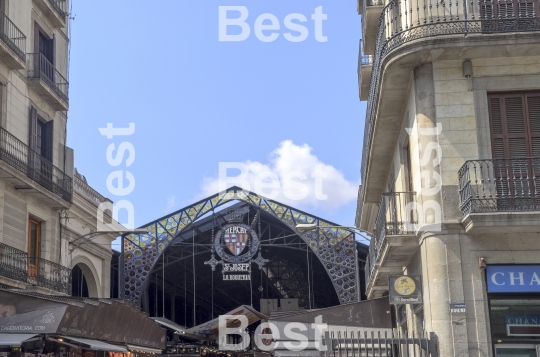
{"type": "Point", "coordinates": [523, 325]}
{"type": "Point", "coordinates": [405, 289]}
{"type": "Point", "coordinates": [513, 278]}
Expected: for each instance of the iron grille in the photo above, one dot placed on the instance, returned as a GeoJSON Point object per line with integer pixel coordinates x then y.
{"type": "Point", "coordinates": [13, 263]}
{"type": "Point", "coordinates": [47, 274]}
{"type": "Point", "coordinates": [60, 6]}
{"type": "Point", "coordinates": [403, 21]}
{"type": "Point", "coordinates": [387, 343]}
{"type": "Point", "coordinates": [12, 36]}
{"type": "Point", "coordinates": [397, 215]}
{"type": "Point", "coordinates": [500, 185]}
{"type": "Point", "coordinates": [41, 68]}
{"type": "Point", "coordinates": [19, 156]}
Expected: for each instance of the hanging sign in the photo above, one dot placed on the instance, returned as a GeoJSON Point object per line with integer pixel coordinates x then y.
{"type": "Point", "coordinates": [405, 289]}
{"type": "Point", "coordinates": [236, 244]}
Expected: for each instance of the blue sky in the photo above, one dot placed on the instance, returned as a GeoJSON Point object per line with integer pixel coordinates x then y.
{"type": "Point", "coordinates": [196, 101]}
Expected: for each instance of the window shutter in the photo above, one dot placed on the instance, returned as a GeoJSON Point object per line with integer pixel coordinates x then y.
{"type": "Point", "coordinates": [48, 142]}
{"type": "Point", "coordinates": [515, 126]}
{"type": "Point", "coordinates": [497, 132]}
{"type": "Point", "coordinates": [32, 128]}
{"type": "Point", "coordinates": [53, 50]}
{"type": "Point", "coordinates": [533, 111]}
{"type": "Point", "coordinates": [510, 129]}
{"type": "Point", "coordinates": [36, 37]}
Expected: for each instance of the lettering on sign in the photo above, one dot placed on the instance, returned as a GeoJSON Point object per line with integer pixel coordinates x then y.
{"type": "Point", "coordinates": [230, 271]}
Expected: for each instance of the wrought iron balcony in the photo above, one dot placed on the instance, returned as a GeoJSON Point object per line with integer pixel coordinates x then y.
{"type": "Point", "coordinates": [14, 39]}
{"type": "Point", "coordinates": [19, 156]}
{"type": "Point", "coordinates": [13, 263]}
{"type": "Point", "coordinates": [55, 10]}
{"type": "Point", "coordinates": [404, 21]}
{"type": "Point", "coordinates": [49, 275]}
{"type": "Point", "coordinates": [397, 217]}
{"type": "Point", "coordinates": [87, 192]}
{"type": "Point", "coordinates": [60, 6]}
{"type": "Point", "coordinates": [500, 185]}
{"type": "Point", "coordinates": [39, 67]}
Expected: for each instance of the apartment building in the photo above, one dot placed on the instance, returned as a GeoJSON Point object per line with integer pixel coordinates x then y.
{"type": "Point", "coordinates": [451, 168]}
{"type": "Point", "coordinates": [43, 205]}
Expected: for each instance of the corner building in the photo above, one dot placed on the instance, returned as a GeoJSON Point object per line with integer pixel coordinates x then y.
{"type": "Point", "coordinates": [451, 167]}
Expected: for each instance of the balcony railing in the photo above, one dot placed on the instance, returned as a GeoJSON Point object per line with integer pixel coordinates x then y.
{"type": "Point", "coordinates": [404, 21]}
{"type": "Point", "coordinates": [500, 185]}
{"type": "Point", "coordinates": [60, 6]}
{"type": "Point", "coordinates": [13, 263]}
{"type": "Point", "coordinates": [12, 36]}
{"type": "Point", "coordinates": [397, 215]}
{"type": "Point", "coordinates": [381, 342]}
{"type": "Point", "coordinates": [19, 156]}
{"type": "Point", "coordinates": [49, 275]}
{"type": "Point", "coordinates": [41, 68]}
{"type": "Point", "coordinates": [91, 195]}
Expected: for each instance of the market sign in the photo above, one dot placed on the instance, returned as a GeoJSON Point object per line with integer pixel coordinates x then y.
{"type": "Point", "coordinates": [405, 289]}
{"type": "Point", "coordinates": [513, 278]}
{"type": "Point", "coordinates": [523, 325]}
{"type": "Point", "coordinates": [236, 244]}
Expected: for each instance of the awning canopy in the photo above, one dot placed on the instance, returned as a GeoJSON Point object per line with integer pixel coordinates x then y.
{"type": "Point", "coordinates": [97, 345]}
{"type": "Point", "coordinates": [143, 349]}
{"type": "Point", "coordinates": [14, 339]}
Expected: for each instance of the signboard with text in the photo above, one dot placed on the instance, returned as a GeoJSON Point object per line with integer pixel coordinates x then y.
{"type": "Point", "coordinates": [513, 278]}
{"type": "Point", "coordinates": [405, 289]}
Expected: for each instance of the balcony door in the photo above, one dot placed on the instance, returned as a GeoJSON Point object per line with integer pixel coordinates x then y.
{"type": "Point", "coordinates": [34, 247]}
{"type": "Point", "coordinates": [515, 145]}
{"type": "Point", "coordinates": [41, 148]}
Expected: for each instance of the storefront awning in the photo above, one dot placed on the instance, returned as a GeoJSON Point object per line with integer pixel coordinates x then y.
{"type": "Point", "coordinates": [14, 339]}
{"type": "Point", "coordinates": [97, 345]}
{"type": "Point", "coordinates": [143, 349]}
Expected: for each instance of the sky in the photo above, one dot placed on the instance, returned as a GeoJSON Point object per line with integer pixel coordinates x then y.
{"type": "Point", "coordinates": [288, 108]}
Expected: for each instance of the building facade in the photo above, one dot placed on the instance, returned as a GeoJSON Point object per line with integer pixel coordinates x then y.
{"type": "Point", "coordinates": [43, 205]}
{"type": "Point", "coordinates": [450, 168]}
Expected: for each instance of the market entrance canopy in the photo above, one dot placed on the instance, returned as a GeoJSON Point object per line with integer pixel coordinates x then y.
{"type": "Point", "coordinates": [116, 321]}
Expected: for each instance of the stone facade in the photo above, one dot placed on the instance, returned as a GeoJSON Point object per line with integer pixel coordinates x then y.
{"type": "Point", "coordinates": [437, 109]}
{"type": "Point", "coordinates": [36, 167]}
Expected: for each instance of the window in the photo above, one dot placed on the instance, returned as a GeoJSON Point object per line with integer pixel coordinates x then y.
{"type": "Point", "coordinates": [34, 247]}
{"type": "Point", "coordinates": [41, 135]}
{"type": "Point", "coordinates": [515, 139]}
{"type": "Point", "coordinates": [515, 124]}
{"type": "Point", "coordinates": [44, 54]}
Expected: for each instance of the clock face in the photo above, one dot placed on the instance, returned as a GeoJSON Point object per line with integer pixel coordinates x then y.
{"type": "Point", "coordinates": [404, 285]}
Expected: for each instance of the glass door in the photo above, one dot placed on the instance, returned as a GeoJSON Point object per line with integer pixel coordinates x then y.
{"type": "Point", "coordinates": [517, 350]}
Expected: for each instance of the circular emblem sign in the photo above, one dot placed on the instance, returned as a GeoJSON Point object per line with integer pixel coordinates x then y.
{"type": "Point", "coordinates": [404, 285]}
{"type": "Point", "coordinates": [236, 243]}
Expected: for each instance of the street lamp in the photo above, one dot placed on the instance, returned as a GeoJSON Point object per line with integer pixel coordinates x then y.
{"type": "Point", "coordinates": [306, 227]}
{"type": "Point", "coordinates": [93, 235]}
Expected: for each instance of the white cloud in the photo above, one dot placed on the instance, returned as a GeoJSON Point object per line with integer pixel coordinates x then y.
{"type": "Point", "coordinates": [299, 179]}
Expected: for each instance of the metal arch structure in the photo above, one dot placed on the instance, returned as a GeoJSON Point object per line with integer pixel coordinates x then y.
{"type": "Point", "coordinates": [335, 247]}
